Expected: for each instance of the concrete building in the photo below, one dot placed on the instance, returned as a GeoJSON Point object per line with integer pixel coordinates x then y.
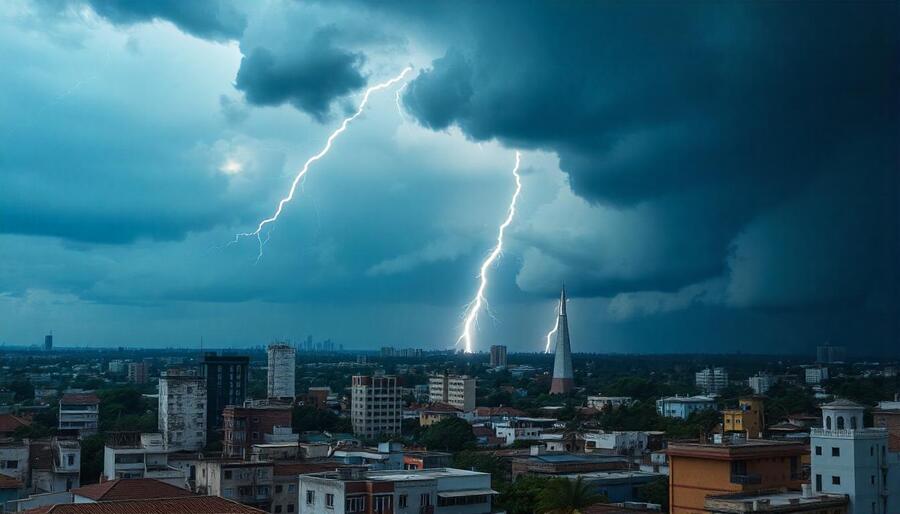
{"type": "Point", "coordinates": [458, 391]}
{"type": "Point", "coordinates": [619, 441]}
{"type": "Point", "coordinates": [251, 423]}
{"type": "Point", "coordinates": [816, 375]}
{"type": "Point", "coordinates": [226, 384]}
{"type": "Point", "coordinates": [608, 402]}
{"type": "Point", "coordinates": [14, 459]}
{"type": "Point", "coordinates": [748, 419]}
{"type": "Point", "coordinates": [616, 486]}
{"type": "Point", "coordinates": [246, 482]}
{"type": "Point", "coordinates": [498, 356]}
{"type": "Point", "coordinates": [683, 406]}
{"type": "Point", "coordinates": [282, 365]}
{"type": "Point", "coordinates": [554, 464]}
{"type": "Point", "coordinates": [133, 455]}
{"type": "Point", "coordinates": [778, 500]}
{"type": "Point", "coordinates": [117, 367]}
{"type": "Point", "coordinates": [79, 414]}
{"type": "Point", "coordinates": [428, 491]}
{"type": "Point", "coordinates": [48, 342]}
{"type": "Point", "coordinates": [761, 383]}
{"type": "Point", "coordinates": [182, 410]}
{"type": "Point", "coordinates": [55, 465]}
{"type": "Point", "coordinates": [137, 372]}
{"type": "Point", "coordinates": [711, 380]}
{"type": "Point", "coordinates": [375, 407]}
{"type": "Point", "coordinates": [848, 458]}
{"type": "Point", "coordinates": [698, 470]}
{"type": "Point", "coordinates": [828, 354]}
{"type": "Point", "coordinates": [887, 416]}
{"type": "Point", "coordinates": [437, 412]}
{"type": "Point", "coordinates": [522, 429]}
{"type": "Point", "coordinates": [317, 397]}
{"type": "Point", "coordinates": [563, 381]}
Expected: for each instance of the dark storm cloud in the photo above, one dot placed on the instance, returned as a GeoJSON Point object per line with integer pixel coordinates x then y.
{"type": "Point", "coordinates": [217, 20]}
{"type": "Point", "coordinates": [309, 76]}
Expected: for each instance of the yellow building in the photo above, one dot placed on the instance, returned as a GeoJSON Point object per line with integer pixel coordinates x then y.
{"type": "Point", "coordinates": [437, 412]}
{"type": "Point", "coordinates": [749, 418]}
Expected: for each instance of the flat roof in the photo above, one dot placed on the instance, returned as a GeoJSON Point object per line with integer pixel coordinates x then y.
{"type": "Point", "coordinates": [778, 498]}
{"type": "Point", "coordinates": [420, 474]}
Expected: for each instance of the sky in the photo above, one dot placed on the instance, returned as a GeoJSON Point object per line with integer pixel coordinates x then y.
{"type": "Point", "coordinates": [702, 176]}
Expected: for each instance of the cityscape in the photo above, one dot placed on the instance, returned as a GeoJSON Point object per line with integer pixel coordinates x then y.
{"type": "Point", "coordinates": [450, 257]}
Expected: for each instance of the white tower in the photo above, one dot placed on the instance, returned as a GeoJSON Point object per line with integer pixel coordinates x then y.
{"type": "Point", "coordinates": [282, 364]}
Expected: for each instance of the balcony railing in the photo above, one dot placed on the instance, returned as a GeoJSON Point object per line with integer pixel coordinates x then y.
{"type": "Point", "coordinates": [746, 479]}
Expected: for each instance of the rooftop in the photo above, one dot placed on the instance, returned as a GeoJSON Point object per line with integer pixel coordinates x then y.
{"type": "Point", "coordinates": [185, 505]}
{"type": "Point", "coordinates": [781, 500]}
{"type": "Point", "coordinates": [728, 449]}
{"type": "Point", "coordinates": [131, 489]}
{"type": "Point", "coordinates": [11, 422]}
{"type": "Point", "coordinates": [80, 399]}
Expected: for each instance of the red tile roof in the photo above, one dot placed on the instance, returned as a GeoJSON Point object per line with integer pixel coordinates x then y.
{"type": "Point", "coordinates": [131, 489]}
{"type": "Point", "coordinates": [10, 422]}
{"type": "Point", "coordinates": [80, 399]}
{"type": "Point", "coordinates": [186, 505]}
{"type": "Point", "coordinates": [440, 407]}
{"type": "Point", "coordinates": [8, 482]}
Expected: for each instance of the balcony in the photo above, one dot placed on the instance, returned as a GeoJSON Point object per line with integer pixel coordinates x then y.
{"type": "Point", "coordinates": [746, 479]}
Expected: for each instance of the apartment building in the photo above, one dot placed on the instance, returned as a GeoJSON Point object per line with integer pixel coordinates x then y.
{"type": "Point", "coordinates": [816, 375]}
{"type": "Point", "coordinates": [711, 380]}
{"type": "Point", "coordinates": [458, 391]}
{"type": "Point", "coordinates": [761, 383]}
{"type": "Point", "coordinates": [608, 402]}
{"type": "Point", "coordinates": [427, 491]}
{"type": "Point", "coordinates": [246, 482]}
{"type": "Point", "coordinates": [133, 455]}
{"type": "Point", "coordinates": [683, 406]}
{"type": "Point", "coordinates": [498, 356]}
{"type": "Point", "coordinates": [256, 421]}
{"type": "Point", "coordinates": [79, 414]}
{"type": "Point", "coordinates": [375, 407]}
{"type": "Point", "coordinates": [182, 410]}
{"type": "Point", "coordinates": [282, 361]}
{"type": "Point", "coordinates": [226, 384]}
{"type": "Point", "coordinates": [748, 419]}
{"type": "Point", "coordinates": [55, 464]}
{"type": "Point", "coordinates": [137, 372]}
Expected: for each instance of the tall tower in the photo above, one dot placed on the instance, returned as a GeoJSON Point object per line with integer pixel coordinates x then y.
{"type": "Point", "coordinates": [282, 362]}
{"type": "Point", "coordinates": [563, 379]}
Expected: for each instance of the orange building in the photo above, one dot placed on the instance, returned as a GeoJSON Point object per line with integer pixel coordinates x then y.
{"type": "Point", "coordinates": [697, 470]}
{"type": "Point", "coordinates": [748, 418]}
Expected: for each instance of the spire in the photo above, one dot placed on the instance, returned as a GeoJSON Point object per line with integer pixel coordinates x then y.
{"type": "Point", "coordinates": [563, 379]}
{"type": "Point", "coordinates": [562, 301]}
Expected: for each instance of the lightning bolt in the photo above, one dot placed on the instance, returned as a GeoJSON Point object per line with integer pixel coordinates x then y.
{"type": "Point", "coordinates": [552, 332]}
{"type": "Point", "coordinates": [475, 306]}
{"type": "Point", "coordinates": [305, 169]}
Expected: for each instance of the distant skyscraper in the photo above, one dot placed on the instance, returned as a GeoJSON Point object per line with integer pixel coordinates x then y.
{"type": "Point", "coordinates": [563, 380]}
{"type": "Point", "coordinates": [226, 384]}
{"type": "Point", "coordinates": [137, 372]}
{"type": "Point", "coordinates": [48, 342]}
{"type": "Point", "coordinates": [711, 380]}
{"type": "Point", "coordinates": [282, 363]}
{"type": "Point", "coordinates": [498, 356]}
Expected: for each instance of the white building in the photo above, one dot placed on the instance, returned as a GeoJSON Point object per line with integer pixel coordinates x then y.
{"type": "Point", "coordinates": [522, 429]}
{"type": "Point", "coordinates": [608, 402]}
{"type": "Point", "coordinates": [435, 490]}
{"type": "Point", "coordinates": [130, 455]}
{"type": "Point", "coordinates": [182, 410]}
{"type": "Point", "coordinates": [62, 471]}
{"type": "Point", "coordinates": [816, 375]}
{"type": "Point", "coordinates": [79, 414]}
{"type": "Point", "coordinates": [761, 383]}
{"type": "Point", "coordinates": [375, 406]}
{"type": "Point", "coordinates": [458, 391]}
{"type": "Point", "coordinates": [711, 380]}
{"type": "Point", "coordinates": [850, 459]}
{"type": "Point", "coordinates": [282, 365]}
{"type": "Point", "coordinates": [14, 459]}
{"type": "Point", "coordinates": [621, 442]}
{"type": "Point", "coordinates": [683, 406]}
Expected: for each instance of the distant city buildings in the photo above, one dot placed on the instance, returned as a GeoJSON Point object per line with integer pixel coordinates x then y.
{"type": "Point", "coordinates": [137, 372]}
{"type": "Point", "coordinates": [608, 402]}
{"type": "Point", "coordinates": [282, 361]}
{"type": "Point", "coordinates": [182, 410]}
{"type": "Point", "coordinates": [711, 380]}
{"type": "Point", "coordinates": [117, 367]}
{"type": "Point", "coordinates": [252, 423]}
{"type": "Point", "coordinates": [226, 384]}
{"type": "Point", "coordinates": [828, 354]}
{"type": "Point", "coordinates": [563, 381]}
{"type": "Point", "coordinates": [761, 383]}
{"type": "Point", "coordinates": [375, 407]}
{"type": "Point", "coordinates": [79, 414]}
{"type": "Point", "coordinates": [48, 342]}
{"type": "Point", "coordinates": [816, 375]}
{"type": "Point", "coordinates": [458, 391]}
{"type": "Point", "coordinates": [683, 406]}
{"type": "Point", "coordinates": [498, 356]}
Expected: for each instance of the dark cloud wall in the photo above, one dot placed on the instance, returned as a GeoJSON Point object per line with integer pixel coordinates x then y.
{"type": "Point", "coordinates": [218, 20]}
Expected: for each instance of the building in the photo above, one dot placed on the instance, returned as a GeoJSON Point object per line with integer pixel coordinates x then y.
{"type": "Point", "coordinates": [128, 489]}
{"type": "Point", "coordinates": [133, 455]}
{"type": "Point", "coordinates": [375, 407]}
{"type": "Point", "coordinates": [10, 423]}
{"type": "Point", "coordinates": [779, 501]}
{"type": "Point", "coordinates": [608, 402]}
{"type": "Point", "coordinates": [563, 381]}
{"type": "Point", "coordinates": [256, 421]}
{"type": "Point", "coordinates": [428, 491]}
{"type": "Point", "coordinates": [698, 470]}
{"type": "Point", "coordinates": [317, 397]}
{"type": "Point", "coordinates": [498, 356]}
{"type": "Point", "coordinates": [426, 460]}
{"type": "Point", "coordinates": [848, 458]}
{"type": "Point", "coordinates": [48, 342]}
{"type": "Point", "coordinates": [55, 464]}
{"type": "Point", "coordinates": [117, 367]}
{"type": "Point", "coordinates": [816, 375]}
{"type": "Point", "coordinates": [14, 459]}
{"type": "Point", "coordinates": [622, 442]}
{"type": "Point", "coordinates": [554, 464]}
{"type": "Point", "coordinates": [522, 429]}
{"type": "Point", "coordinates": [828, 354]}
{"type": "Point", "coordinates": [182, 505]}
{"type": "Point", "coordinates": [182, 410]}
{"type": "Point", "coordinates": [284, 483]}
{"type": "Point", "coordinates": [282, 364]}
{"type": "Point", "coordinates": [226, 384]}
{"type": "Point", "coordinates": [242, 481]}
{"type": "Point", "coordinates": [683, 406]}
{"type": "Point", "coordinates": [458, 391]}
{"type": "Point", "coordinates": [137, 372]}
{"type": "Point", "coordinates": [761, 383]}
{"type": "Point", "coordinates": [11, 490]}
{"type": "Point", "coordinates": [889, 419]}
{"type": "Point", "coordinates": [79, 414]}
{"type": "Point", "coordinates": [437, 412]}
{"type": "Point", "coordinates": [711, 380]}
{"type": "Point", "coordinates": [749, 418]}
{"type": "Point", "coordinates": [616, 486]}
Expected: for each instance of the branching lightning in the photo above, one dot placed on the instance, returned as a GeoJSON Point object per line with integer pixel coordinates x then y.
{"type": "Point", "coordinates": [305, 169]}
{"type": "Point", "coordinates": [479, 302]}
{"type": "Point", "coordinates": [553, 331]}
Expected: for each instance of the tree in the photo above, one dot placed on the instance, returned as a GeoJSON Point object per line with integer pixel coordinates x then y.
{"type": "Point", "coordinates": [521, 496]}
{"type": "Point", "coordinates": [305, 418]}
{"type": "Point", "coordinates": [450, 435]}
{"type": "Point", "coordinates": [480, 461]}
{"type": "Point", "coordinates": [564, 496]}
{"type": "Point", "coordinates": [656, 491]}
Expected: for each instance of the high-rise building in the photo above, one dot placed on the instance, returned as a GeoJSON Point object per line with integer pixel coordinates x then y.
{"type": "Point", "coordinates": [761, 383]}
{"type": "Point", "coordinates": [48, 342]}
{"type": "Point", "coordinates": [137, 372]}
{"type": "Point", "coordinates": [458, 391]}
{"type": "Point", "coordinates": [182, 410]}
{"type": "Point", "coordinates": [282, 364]}
{"type": "Point", "coordinates": [827, 354]}
{"type": "Point", "coordinates": [255, 422]}
{"type": "Point", "coordinates": [375, 405]}
{"type": "Point", "coordinates": [711, 380]}
{"type": "Point", "coordinates": [816, 375]}
{"type": "Point", "coordinates": [498, 356]}
{"type": "Point", "coordinates": [563, 379]}
{"type": "Point", "coordinates": [226, 384]}
{"type": "Point", "coordinates": [79, 414]}
{"type": "Point", "coordinates": [848, 458]}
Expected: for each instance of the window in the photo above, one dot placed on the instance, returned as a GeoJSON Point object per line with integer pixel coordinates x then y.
{"type": "Point", "coordinates": [818, 450]}
{"type": "Point", "coordinates": [355, 504]}
{"type": "Point", "coordinates": [401, 501]}
{"type": "Point", "coordinates": [278, 489]}
{"type": "Point", "coordinates": [835, 452]}
{"type": "Point", "coordinates": [329, 500]}
{"type": "Point", "coordinates": [840, 422]}
{"type": "Point", "coordinates": [818, 483]}
{"type": "Point", "coordinates": [10, 464]}
{"type": "Point", "coordinates": [835, 480]}
{"type": "Point", "coordinates": [229, 492]}
{"type": "Point", "coordinates": [277, 509]}
{"type": "Point", "coordinates": [292, 487]}
{"type": "Point", "coordinates": [828, 422]}
{"type": "Point", "coordinates": [255, 436]}
{"type": "Point", "coordinates": [70, 459]}
{"type": "Point", "coordinates": [853, 423]}
{"type": "Point", "coordinates": [872, 479]}
{"type": "Point", "coordinates": [310, 497]}
{"type": "Point", "coordinates": [290, 507]}
{"type": "Point", "coordinates": [425, 500]}
{"type": "Point", "coordinates": [227, 474]}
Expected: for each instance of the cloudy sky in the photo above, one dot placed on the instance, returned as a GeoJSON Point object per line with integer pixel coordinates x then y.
{"type": "Point", "coordinates": [708, 176]}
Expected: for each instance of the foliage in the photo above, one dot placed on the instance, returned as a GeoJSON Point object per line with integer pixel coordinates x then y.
{"type": "Point", "coordinates": [785, 399]}
{"type": "Point", "coordinates": [449, 435]}
{"type": "Point", "coordinates": [656, 491]}
{"type": "Point", "coordinates": [480, 461]}
{"type": "Point", "coordinates": [564, 496]}
{"type": "Point", "coordinates": [91, 458]}
{"type": "Point", "coordinates": [305, 418]}
{"type": "Point", "coordinates": [521, 496]}
{"type": "Point", "coordinates": [124, 409]}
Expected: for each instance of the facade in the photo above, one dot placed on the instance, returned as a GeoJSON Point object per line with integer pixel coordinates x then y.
{"type": "Point", "coordinates": [437, 412]}
{"type": "Point", "coordinates": [816, 375]}
{"type": "Point", "coordinates": [137, 372]}
{"type": "Point", "coordinates": [79, 414]}
{"type": "Point", "coordinates": [711, 380]}
{"type": "Point", "coordinates": [55, 465]}
{"type": "Point", "coordinates": [317, 397]}
{"type": "Point", "coordinates": [563, 381]}
{"type": "Point", "coordinates": [683, 406]}
{"type": "Point", "coordinates": [608, 402]}
{"type": "Point", "coordinates": [616, 486]}
{"type": "Point", "coordinates": [375, 407]}
{"type": "Point", "coordinates": [132, 455]}
{"type": "Point", "coordinates": [888, 419]}
{"type": "Point", "coordinates": [428, 491]}
{"type": "Point", "coordinates": [458, 391]}
{"type": "Point", "coordinates": [226, 384]}
{"type": "Point", "coordinates": [182, 410]}
{"type": "Point", "coordinates": [778, 500]}
{"type": "Point", "coordinates": [828, 354]}
{"type": "Point", "coordinates": [761, 383]}
{"type": "Point", "coordinates": [498, 356]}
{"type": "Point", "coordinates": [620, 442]}
{"type": "Point", "coordinates": [246, 482]}
{"type": "Point", "coordinates": [698, 470]}
{"type": "Point", "coordinates": [251, 423]}
{"type": "Point", "coordinates": [522, 429]}
{"type": "Point", "coordinates": [14, 459]}
{"type": "Point", "coordinates": [749, 418]}
{"type": "Point", "coordinates": [282, 360]}
{"type": "Point", "coordinates": [848, 458]}
{"type": "Point", "coordinates": [117, 367]}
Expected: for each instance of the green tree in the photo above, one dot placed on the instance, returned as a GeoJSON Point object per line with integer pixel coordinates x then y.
{"type": "Point", "coordinates": [480, 461]}
{"type": "Point", "coordinates": [521, 496]}
{"type": "Point", "coordinates": [305, 418]}
{"type": "Point", "coordinates": [656, 491]}
{"type": "Point", "coordinates": [449, 435]}
{"type": "Point", "coordinates": [564, 496]}
{"type": "Point", "coordinates": [91, 459]}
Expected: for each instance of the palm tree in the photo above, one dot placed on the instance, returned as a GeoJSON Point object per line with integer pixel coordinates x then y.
{"type": "Point", "coordinates": [563, 496]}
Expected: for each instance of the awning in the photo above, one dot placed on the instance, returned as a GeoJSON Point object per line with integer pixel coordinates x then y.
{"type": "Point", "coordinates": [466, 492]}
